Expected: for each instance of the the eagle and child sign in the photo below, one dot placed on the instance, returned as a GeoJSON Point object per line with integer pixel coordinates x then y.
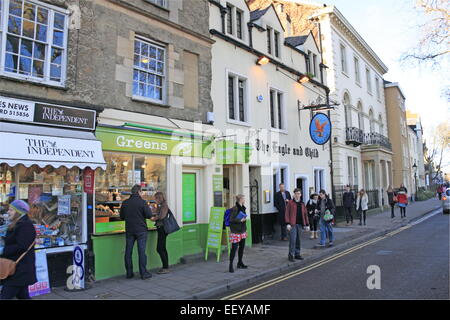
{"type": "Point", "coordinates": [320, 129]}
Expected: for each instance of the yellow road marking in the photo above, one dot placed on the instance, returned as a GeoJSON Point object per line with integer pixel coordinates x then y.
{"type": "Point", "coordinates": [315, 265]}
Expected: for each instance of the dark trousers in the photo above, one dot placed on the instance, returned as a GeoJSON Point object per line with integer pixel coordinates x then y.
{"type": "Point", "coordinates": [362, 216]}
{"type": "Point", "coordinates": [234, 248]}
{"type": "Point", "coordinates": [403, 211]}
{"type": "Point", "coordinates": [392, 210]}
{"type": "Point", "coordinates": [440, 195]}
{"type": "Point", "coordinates": [161, 247]}
{"type": "Point", "coordinates": [141, 238]}
{"type": "Point", "coordinates": [283, 225]}
{"type": "Point", "coordinates": [11, 292]}
{"type": "Point", "coordinates": [313, 223]}
{"type": "Point", "coordinates": [349, 214]}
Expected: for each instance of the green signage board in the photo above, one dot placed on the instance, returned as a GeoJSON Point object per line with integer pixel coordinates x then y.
{"type": "Point", "coordinates": [189, 198]}
{"type": "Point", "coordinates": [218, 190]}
{"type": "Point", "coordinates": [145, 142]}
{"type": "Point", "coordinates": [215, 229]}
{"type": "Point", "coordinates": [228, 152]}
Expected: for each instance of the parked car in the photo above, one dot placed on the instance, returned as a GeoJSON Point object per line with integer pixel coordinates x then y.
{"type": "Point", "coordinates": [446, 201]}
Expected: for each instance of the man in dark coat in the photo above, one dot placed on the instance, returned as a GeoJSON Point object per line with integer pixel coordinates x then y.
{"type": "Point", "coordinates": [281, 199]}
{"type": "Point", "coordinates": [349, 202]}
{"type": "Point", "coordinates": [18, 240]}
{"type": "Point", "coordinates": [135, 211]}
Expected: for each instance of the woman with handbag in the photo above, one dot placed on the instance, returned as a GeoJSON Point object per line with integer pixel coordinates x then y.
{"type": "Point", "coordinates": [19, 243]}
{"type": "Point", "coordinates": [392, 199]}
{"type": "Point", "coordinates": [326, 211]}
{"type": "Point", "coordinates": [362, 205]}
{"type": "Point", "coordinates": [161, 214]}
{"type": "Point", "coordinates": [313, 215]}
{"type": "Point", "coordinates": [238, 234]}
{"type": "Point", "coordinates": [402, 196]}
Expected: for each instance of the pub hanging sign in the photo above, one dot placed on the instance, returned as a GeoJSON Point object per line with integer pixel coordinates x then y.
{"type": "Point", "coordinates": [47, 114]}
{"type": "Point", "coordinates": [320, 129]}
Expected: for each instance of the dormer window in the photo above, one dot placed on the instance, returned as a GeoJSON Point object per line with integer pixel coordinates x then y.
{"type": "Point", "coordinates": [234, 22]}
{"type": "Point", "coordinates": [269, 40]}
{"type": "Point", "coordinates": [277, 44]}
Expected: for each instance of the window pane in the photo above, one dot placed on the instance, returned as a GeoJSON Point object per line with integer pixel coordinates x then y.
{"type": "Point", "coordinates": [26, 48]}
{"type": "Point", "coordinates": [56, 55]}
{"type": "Point", "coordinates": [59, 21]}
{"type": "Point", "coordinates": [135, 75]}
{"type": "Point", "coordinates": [11, 63]}
{"type": "Point", "coordinates": [41, 33]}
{"type": "Point", "coordinates": [151, 92]}
{"type": "Point", "coordinates": [135, 88]}
{"type": "Point", "coordinates": [58, 38]}
{"type": "Point", "coordinates": [272, 111]}
{"type": "Point", "coordinates": [28, 29]}
{"type": "Point", "coordinates": [151, 78]}
{"type": "Point", "coordinates": [160, 55]}
{"type": "Point", "coordinates": [14, 25]}
{"type": "Point", "coordinates": [38, 68]}
{"type": "Point", "coordinates": [231, 97]}
{"type": "Point", "coordinates": [152, 65]}
{"type": "Point", "coordinates": [160, 68]}
{"type": "Point", "coordinates": [12, 44]}
{"type": "Point", "coordinates": [15, 7]}
{"type": "Point", "coordinates": [141, 89]}
{"type": "Point", "coordinates": [279, 102]}
{"type": "Point", "coordinates": [144, 50]}
{"type": "Point", "coordinates": [158, 81]}
{"type": "Point", "coordinates": [158, 94]}
{"type": "Point", "coordinates": [39, 52]}
{"type": "Point", "coordinates": [136, 60]}
{"type": "Point", "coordinates": [137, 47]}
{"type": "Point", "coordinates": [152, 52]}
{"type": "Point", "coordinates": [55, 72]}
{"type": "Point", "coordinates": [143, 76]}
{"type": "Point", "coordinates": [25, 65]}
{"type": "Point", "coordinates": [29, 11]}
{"type": "Point", "coordinates": [241, 101]}
{"type": "Point", "coordinates": [42, 16]}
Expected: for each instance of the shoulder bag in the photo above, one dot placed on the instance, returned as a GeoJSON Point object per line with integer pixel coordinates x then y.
{"type": "Point", "coordinates": [8, 266]}
{"type": "Point", "coordinates": [170, 224]}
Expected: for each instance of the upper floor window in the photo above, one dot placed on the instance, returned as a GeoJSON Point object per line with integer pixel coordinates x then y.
{"type": "Point", "coordinates": [368, 80]}
{"type": "Point", "coordinates": [269, 40]}
{"type": "Point", "coordinates": [234, 22]}
{"type": "Point", "coordinates": [357, 73]}
{"type": "Point", "coordinates": [276, 109]}
{"type": "Point", "coordinates": [343, 58]}
{"type": "Point", "coordinates": [237, 98]}
{"type": "Point", "coordinates": [239, 24]}
{"type": "Point", "coordinates": [377, 87]}
{"type": "Point", "coordinates": [149, 70]}
{"type": "Point", "coordinates": [161, 3]}
{"type": "Point", "coordinates": [277, 43]}
{"type": "Point", "coordinates": [33, 41]}
{"type": "Point", "coordinates": [311, 66]}
{"type": "Point", "coordinates": [229, 19]}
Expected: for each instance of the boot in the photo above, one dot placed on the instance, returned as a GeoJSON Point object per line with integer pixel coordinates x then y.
{"type": "Point", "coordinates": [312, 235]}
{"type": "Point", "coordinates": [231, 269]}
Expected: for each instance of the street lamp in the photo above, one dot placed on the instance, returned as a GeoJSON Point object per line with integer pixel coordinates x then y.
{"type": "Point", "coordinates": [415, 179]}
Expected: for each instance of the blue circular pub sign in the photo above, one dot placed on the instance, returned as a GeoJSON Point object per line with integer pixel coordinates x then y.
{"type": "Point", "coordinates": [320, 129]}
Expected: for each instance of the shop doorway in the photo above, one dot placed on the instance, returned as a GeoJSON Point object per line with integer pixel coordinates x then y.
{"type": "Point", "coordinates": [190, 203]}
{"type": "Point", "coordinates": [301, 182]}
{"type": "Point", "coordinates": [229, 186]}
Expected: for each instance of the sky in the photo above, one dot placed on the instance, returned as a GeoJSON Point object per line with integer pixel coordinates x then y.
{"type": "Point", "coordinates": [390, 27]}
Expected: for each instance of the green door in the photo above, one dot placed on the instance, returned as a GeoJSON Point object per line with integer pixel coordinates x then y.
{"type": "Point", "coordinates": [191, 230]}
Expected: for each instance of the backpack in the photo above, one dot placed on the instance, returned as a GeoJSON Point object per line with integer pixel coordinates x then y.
{"type": "Point", "coordinates": [227, 217]}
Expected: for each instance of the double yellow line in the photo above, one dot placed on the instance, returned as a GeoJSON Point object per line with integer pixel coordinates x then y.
{"type": "Point", "coordinates": [287, 276]}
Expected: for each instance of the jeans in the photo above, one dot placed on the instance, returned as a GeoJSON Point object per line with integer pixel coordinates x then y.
{"type": "Point", "coordinates": [348, 214]}
{"type": "Point", "coordinates": [141, 238]}
{"type": "Point", "coordinates": [161, 247]}
{"type": "Point", "coordinates": [326, 230]}
{"type": "Point", "coordinates": [11, 292]}
{"type": "Point", "coordinates": [362, 216]}
{"type": "Point", "coordinates": [283, 225]}
{"type": "Point", "coordinates": [392, 210]}
{"type": "Point", "coordinates": [294, 240]}
{"type": "Point", "coordinates": [403, 211]}
{"type": "Point", "coordinates": [234, 247]}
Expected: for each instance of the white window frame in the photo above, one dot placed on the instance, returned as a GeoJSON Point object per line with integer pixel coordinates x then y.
{"type": "Point", "coordinates": [357, 70]}
{"type": "Point", "coordinates": [51, 13]}
{"type": "Point", "coordinates": [269, 38]}
{"type": "Point", "coordinates": [164, 80]}
{"type": "Point", "coordinates": [377, 87]}
{"type": "Point", "coordinates": [276, 44]}
{"type": "Point", "coordinates": [246, 80]}
{"type": "Point", "coordinates": [317, 171]}
{"type": "Point", "coordinates": [343, 53]}
{"type": "Point", "coordinates": [355, 172]}
{"type": "Point", "coordinates": [277, 107]}
{"type": "Point", "coordinates": [350, 171]}
{"type": "Point", "coordinates": [368, 80]}
{"type": "Point", "coordinates": [276, 169]}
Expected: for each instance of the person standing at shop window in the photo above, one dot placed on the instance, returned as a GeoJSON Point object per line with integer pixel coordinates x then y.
{"type": "Point", "coordinates": [134, 211]}
{"type": "Point", "coordinates": [238, 234]}
{"type": "Point", "coordinates": [161, 214]}
{"type": "Point", "coordinates": [281, 199]}
{"type": "Point", "coordinates": [296, 219]}
{"type": "Point", "coordinates": [19, 240]}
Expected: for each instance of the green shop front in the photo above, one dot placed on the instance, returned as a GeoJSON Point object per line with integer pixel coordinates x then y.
{"type": "Point", "coordinates": [176, 163]}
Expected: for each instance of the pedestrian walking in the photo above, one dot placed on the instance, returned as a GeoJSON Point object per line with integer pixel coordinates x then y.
{"type": "Point", "coordinates": [392, 199]}
{"type": "Point", "coordinates": [296, 220]}
{"type": "Point", "coordinates": [402, 196]}
{"type": "Point", "coordinates": [439, 191]}
{"type": "Point", "coordinates": [362, 203]}
{"type": "Point", "coordinates": [160, 214]}
{"type": "Point", "coordinates": [313, 215]}
{"type": "Point", "coordinates": [19, 242]}
{"type": "Point", "coordinates": [135, 211]}
{"type": "Point", "coordinates": [281, 199]}
{"type": "Point", "coordinates": [238, 232]}
{"type": "Point", "coordinates": [327, 211]}
{"type": "Point", "coordinates": [349, 203]}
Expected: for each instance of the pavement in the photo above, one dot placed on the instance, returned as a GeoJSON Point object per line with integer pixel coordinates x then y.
{"type": "Point", "coordinates": [200, 279]}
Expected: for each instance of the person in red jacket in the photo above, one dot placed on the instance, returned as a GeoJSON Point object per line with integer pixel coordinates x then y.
{"type": "Point", "coordinates": [402, 198]}
{"type": "Point", "coordinates": [296, 218]}
{"type": "Point", "coordinates": [439, 191]}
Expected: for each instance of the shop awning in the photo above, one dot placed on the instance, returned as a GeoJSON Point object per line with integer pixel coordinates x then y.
{"type": "Point", "coordinates": [36, 145]}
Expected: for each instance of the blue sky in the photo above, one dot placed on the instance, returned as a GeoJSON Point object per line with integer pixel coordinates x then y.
{"type": "Point", "coordinates": [390, 27]}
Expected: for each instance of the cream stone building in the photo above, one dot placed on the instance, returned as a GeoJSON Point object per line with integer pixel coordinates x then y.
{"type": "Point", "coordinates": [260, 106]}
{"type": "Point", "coordinates": [413, 120]}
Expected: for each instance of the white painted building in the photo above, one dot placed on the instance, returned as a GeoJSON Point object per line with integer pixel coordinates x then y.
{"type": "Point", "coordinates": [260, 105]}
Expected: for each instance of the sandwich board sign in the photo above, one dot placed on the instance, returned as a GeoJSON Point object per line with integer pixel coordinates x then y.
{"type": "Point", "coordinates": [215, 231]}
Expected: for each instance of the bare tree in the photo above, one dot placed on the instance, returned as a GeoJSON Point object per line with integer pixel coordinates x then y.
{"type": "Point", "coordinates": [439, 145]}
{"type": "Point", "coordinates": [434, 45]}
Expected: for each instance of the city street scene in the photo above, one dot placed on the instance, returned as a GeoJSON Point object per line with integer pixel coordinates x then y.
{"type": "Point", "coordinates": [233, 153]}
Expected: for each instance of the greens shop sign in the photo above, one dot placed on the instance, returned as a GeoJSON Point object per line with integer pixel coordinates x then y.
{"type": "Point", "coordinates": [153, 143]}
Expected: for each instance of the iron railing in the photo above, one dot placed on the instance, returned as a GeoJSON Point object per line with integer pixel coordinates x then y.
{"type": "Point", "coordinates": [357, 137]}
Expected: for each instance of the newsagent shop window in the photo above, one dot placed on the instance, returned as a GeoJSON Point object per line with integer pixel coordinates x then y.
{"type": "Point", "coordinates": [55, 197]}
{"type": "Point", "coordinates": [149, 70]}
{"type": "Point", "coordinates": [33, 41]}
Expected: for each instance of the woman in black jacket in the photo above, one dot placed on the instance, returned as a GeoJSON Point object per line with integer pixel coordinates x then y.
{"type": "Point", "coordinates": [313, 215]}
{"type": "Point", "coordinates": [19, 238]}
{"type": "Point", "coordinates": [161, 214]}
{"type": "Point", "coordinates": [238, 228]}
{"type": "Point", "coordinates": [391, 199]}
